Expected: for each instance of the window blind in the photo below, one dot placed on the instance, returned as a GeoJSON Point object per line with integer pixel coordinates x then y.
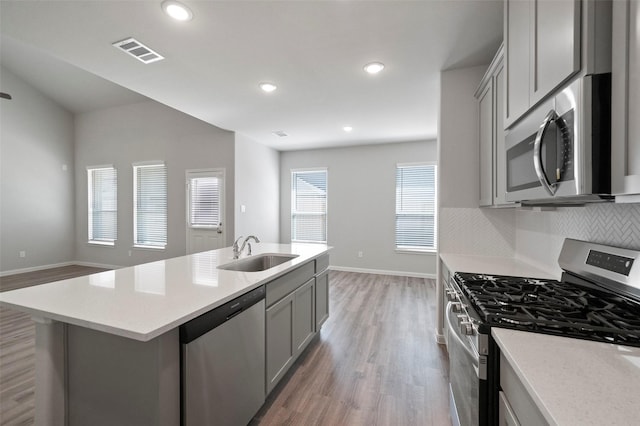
{"type": "Point", "coordinates": [103, 205]}
{"type": "Point", "coordinates": [416, 207]}
{"type": "Point", "coordinates": [204, 201]}
{"type": "Point", "coordinates": [150, 205]}
{"type": "Point", "coordinates": [309, 206]}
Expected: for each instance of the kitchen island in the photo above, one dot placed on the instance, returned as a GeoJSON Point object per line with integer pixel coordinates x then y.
{"type": "Point", "coordinates": [108, 343]}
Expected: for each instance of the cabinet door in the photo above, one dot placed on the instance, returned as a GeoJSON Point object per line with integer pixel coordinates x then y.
{"type": "Point", "coordinates": [322, 299]}
{"type": "Point", "coordinates": [517, 41]}
{"type": "Point", "coordinates": [555, 47]}
{"type": "Point", "coordinates": [279, 336]}
{"type": "Point", "coordinates": [500, 154]}
{"type": "Point", "coordinates": [486, 130]}
{"type": "Point", "coordinates": [304, 325]}
{"type": "Point", "coordinates": [625, 129]}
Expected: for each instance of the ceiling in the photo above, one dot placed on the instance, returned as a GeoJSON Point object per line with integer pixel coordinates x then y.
{"type": "Point", "coordinates": [314, 51]}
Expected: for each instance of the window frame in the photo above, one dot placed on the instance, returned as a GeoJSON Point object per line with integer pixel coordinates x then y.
{"type": "Point", "coordinates": [90, 203]}
{"type": "Point", "coordinates": [418, 249]}
{"type": "Point", "coordinates": [137, 244]}
{"type": "Point", "coordinates": [293, 200]}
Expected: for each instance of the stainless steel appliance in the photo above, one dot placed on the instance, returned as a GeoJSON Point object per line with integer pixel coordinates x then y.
{"type": "Point", "coordinates": [223, 363]}
{"type": "Point", "coordinates": [597, 299]}
{"type": "Point", "coordinates": [560, 152]}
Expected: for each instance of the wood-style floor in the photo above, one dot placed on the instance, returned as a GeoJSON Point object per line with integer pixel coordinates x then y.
{"type": "Point", "coordinates": [375, 361]}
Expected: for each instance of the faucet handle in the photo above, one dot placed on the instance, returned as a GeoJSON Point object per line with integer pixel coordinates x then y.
{"type": "Point", "coordinates": [235, 244]}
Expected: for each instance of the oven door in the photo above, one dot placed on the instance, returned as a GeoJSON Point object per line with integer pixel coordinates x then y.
{"type": "Point", "coordinates": [464, 380]}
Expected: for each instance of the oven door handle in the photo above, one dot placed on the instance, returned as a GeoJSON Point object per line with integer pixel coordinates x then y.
{"type": "Point", "coordinates": [454, 332]}
{"type": "Point", "coordinates": [537, 153]}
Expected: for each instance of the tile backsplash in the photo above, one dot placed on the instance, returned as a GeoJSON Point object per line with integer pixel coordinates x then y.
{"type": "Point", "coordinates": [537, 236]}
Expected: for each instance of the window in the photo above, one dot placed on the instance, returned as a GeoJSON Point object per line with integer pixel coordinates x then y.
{"type": "Point", "coordinates": [204, 201]}
{"type": "Point", "coordinates": [309, 206]}
{"type": "Point", "coordinates": [103, 205]}
{"type": "Point", "coordinates": [150, 205]}
{"type": "Point", "coordinates": [416, 207]}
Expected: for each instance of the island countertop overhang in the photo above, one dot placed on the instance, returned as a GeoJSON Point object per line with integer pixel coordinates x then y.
{"type": "Point", "coordinates": [144, 301]}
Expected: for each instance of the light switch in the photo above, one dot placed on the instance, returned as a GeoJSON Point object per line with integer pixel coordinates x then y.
{"type": "Point", "coordinates": [243, 208]}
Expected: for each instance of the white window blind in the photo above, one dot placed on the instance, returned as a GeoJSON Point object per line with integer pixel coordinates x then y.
{"type": "Point", "coordinates": [204, 202]}
{"type": "Point", "coordinates": [309, 206]}
{"type": "Point", "coordinates": [150, 205]}
{"type": "Point", "coordinates": [103, 205]}
{"type": "Point", "coordinates": [416, 207]}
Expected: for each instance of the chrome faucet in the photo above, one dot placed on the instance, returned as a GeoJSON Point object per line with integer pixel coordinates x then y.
{"type": "Point", "coordinates": [237, 250]}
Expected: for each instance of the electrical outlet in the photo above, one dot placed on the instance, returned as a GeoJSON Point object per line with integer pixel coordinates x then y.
{"type": "Point", "coordinates": [360, 254]}
{"type": "Point", "coordinates": [22, 253]}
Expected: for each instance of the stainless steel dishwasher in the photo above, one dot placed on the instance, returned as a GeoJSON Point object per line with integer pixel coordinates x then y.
{"type": "Point", "coordinates": [223, 363]}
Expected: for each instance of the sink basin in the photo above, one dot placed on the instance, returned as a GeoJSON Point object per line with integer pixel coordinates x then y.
{"type": "Point", "coordinates": [257, 263]}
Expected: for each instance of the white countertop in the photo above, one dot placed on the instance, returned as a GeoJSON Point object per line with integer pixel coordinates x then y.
{"type": "Point", "coordinates": [493, 265]}
{"type": "Point", "coordinates": [573, 381]}
{"type": "Point", "coordinates": [144, 301]}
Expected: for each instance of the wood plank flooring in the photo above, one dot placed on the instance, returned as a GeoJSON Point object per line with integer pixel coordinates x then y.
{"type": "Point", "coordinates": [375, 362]}
{"type": "Point", "coordinates": [17, 346]}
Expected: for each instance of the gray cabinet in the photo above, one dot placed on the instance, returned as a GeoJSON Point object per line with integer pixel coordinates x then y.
{"type": "Point", "coordinates": [292, 318]}
{"type": "Point", "coordinates": [304, 325]}
{"type": "Point", "coordinates": [322, 299]}
{"type": "Point", "coordinates": [516, 405]}
{"type": "Point", "coordinates": [625, 97]}
{"type": "Point", "coordinates": [542, 50]}
{"type": "Point", "coordinates": [493, 162]}
{"type": "Point", "coordinates": [280, 347]}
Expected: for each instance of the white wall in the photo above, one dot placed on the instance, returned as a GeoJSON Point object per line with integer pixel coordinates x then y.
{"type": "Point", "coordinates": [36, 193]}
{"type": "Point", "coordinates": [361, 203]}
{"type": "Point", "coordinates": [258, 189]}
{"type": "Point", "coordinates": [141, 132]}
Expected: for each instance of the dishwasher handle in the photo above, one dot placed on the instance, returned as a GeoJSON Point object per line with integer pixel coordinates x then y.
{"type": "Point", "coordinates": [206, 322]}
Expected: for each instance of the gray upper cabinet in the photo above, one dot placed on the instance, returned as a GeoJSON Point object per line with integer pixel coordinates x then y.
{"type": "Point", "coordinates": [493, 163]}
{"type": "Point", "coordinates": [625, 97]}
{"type": "Point", "coordinates": [542, 44]}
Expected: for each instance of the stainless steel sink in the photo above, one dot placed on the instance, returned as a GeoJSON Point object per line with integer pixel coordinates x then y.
{"type": "Point", "coordinates": [257, 263]}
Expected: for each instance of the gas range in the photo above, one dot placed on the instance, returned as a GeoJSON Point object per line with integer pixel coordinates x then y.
{"type": "Point", "coordinates": [597, 298]}
{"type": "Point", "coordinates": [552, 307]}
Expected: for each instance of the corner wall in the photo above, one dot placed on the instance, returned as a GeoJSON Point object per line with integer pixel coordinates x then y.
{"type": "Point", "coordinates": [36, 178]}
{"type": "Point", "coordinates": [257, 189]}
{"type": "Point", "coordinates": [361, 204]}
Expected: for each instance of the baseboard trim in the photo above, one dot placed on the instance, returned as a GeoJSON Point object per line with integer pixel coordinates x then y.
{"type": "Point", "coordinates": [97, 265]}
{"type": "Point", "coordinates": [383, 272]}
{"type": "Point", "coordinates": [56, 265]}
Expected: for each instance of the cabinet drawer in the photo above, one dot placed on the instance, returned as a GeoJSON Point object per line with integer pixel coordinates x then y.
{"type": "Point", "coordinates": [322, 263]}
{"type": "Point", "coordinates": [280, 287]}
{"type": "Point", "coordinates": [524, 409]}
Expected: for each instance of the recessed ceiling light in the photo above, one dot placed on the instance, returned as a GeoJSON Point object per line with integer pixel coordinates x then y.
{"type": "Point", "coordinates": [374, 67]}
{"type": "Point", "coordinates": [347, 129]}
{"type": "Point", "coordinates": [177, 10]}
{"type": "Point", "coordinates": [268, 87]}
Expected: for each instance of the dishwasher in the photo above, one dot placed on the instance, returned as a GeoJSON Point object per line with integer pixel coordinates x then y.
{"type": "Point", "coordinates": [223, 363]}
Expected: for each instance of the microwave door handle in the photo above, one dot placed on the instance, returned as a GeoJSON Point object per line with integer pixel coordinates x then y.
{"type": "Point", "coordinates": [537, 153]}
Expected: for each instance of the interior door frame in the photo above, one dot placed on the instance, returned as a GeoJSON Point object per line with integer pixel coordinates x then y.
{"type": "Point", "coordinates": [193, 173]}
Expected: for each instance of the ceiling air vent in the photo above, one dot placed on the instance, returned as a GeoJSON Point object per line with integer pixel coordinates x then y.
{"type": "Point", "coordinates": [280, 133]}
{"type": "Point", "coordinates": [138, 50]}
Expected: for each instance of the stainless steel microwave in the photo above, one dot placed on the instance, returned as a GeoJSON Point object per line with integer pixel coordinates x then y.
{"type": "Point", "coordinates": [560, 152]}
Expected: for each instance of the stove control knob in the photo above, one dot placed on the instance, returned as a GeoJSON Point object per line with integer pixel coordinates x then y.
{"type": "Point", "coordinates": [451, 295]}
{"type": "Point", "coordinates": [456, 306]}
{"type": "Point", "coordinates": [466, 328]}
{"type": "Point", "coordinates": [462, 318]}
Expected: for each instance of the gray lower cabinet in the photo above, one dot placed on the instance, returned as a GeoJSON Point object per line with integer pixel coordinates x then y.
{"type": "Point", "coordinates": [280, 348]}
{"type": "Point", "coordinates": [297, 306]}
{"type": "Point", "coordinates": [322, 299]}
{"type": "Point", "coordinates": [304, 326]}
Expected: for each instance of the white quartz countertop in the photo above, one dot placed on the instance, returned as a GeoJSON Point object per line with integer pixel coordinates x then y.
{"type": "Point", "coordinates": [493, 265]}
{"type": "Point", "coordinates": [144, 301]}
{"type": "Point", "coordinates": [573, 381]}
